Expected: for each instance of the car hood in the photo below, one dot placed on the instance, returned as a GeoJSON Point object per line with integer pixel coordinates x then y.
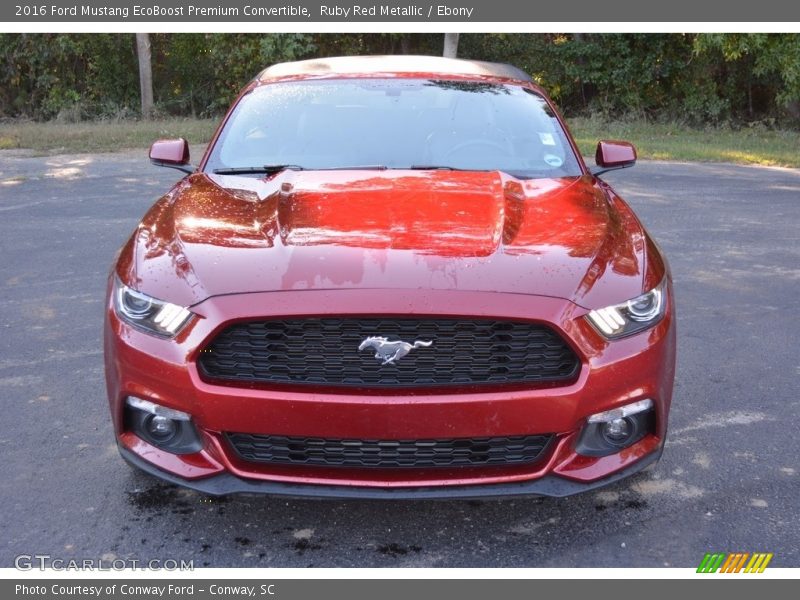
{"type": "Point", "coordinates": [328, 230]}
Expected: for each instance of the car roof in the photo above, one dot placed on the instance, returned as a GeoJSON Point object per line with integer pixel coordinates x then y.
{"type": "Point", "coordinates": [390, 65]}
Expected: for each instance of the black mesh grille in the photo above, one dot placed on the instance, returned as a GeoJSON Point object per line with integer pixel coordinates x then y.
{"type": "Point", "coordinates": [325, 351]}
{"type": "Point", "coordinates": [322, 452]}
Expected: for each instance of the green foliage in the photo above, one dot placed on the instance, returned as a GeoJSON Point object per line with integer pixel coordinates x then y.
{"type": "Point", "coordinates": [693, 78]}
{"type": "Point", "coordinates": [771, 60]}
{"type": "Point", "coordinates": [630, 75]}
{"type": "Point", "coordinates": [690, 78]}
{"type": "Point", "coordinates": [44, 75]}
{"type": "Point", "coordinates": [200, 74]}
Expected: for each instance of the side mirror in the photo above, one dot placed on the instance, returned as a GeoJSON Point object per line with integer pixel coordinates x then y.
{"type": "Point", "coordinates": [171, 153]}
{"type": "Point", "coordinates": [611, 155]}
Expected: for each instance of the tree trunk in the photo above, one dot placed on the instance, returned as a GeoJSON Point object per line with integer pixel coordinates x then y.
{"type": "Point", "coordinates": [578, 37]}
{"type": "Point", "coordinates": [450, 45]}
{"type": "Point", "coordinates": [145, 73]}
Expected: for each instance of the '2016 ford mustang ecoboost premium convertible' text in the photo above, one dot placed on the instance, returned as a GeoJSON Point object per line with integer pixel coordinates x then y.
{"type": "Point", "coordinates": [390, 277]}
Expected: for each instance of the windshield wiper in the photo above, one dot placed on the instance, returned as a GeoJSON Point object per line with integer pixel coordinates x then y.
{"type": "Point", "coordinates": [514, 173]}
{"type": "Point", "coordinates": [356, 168]}
{"type": "Point", "coordinates": [438, 168]}
{"type": "Point", "coordinates": [267, 169]}
{"type": "Point", "coordinates": [271, 169]}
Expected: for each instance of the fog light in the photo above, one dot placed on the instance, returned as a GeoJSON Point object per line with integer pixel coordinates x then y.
{"type": "Point", "coordinates": [610, 431]}
{"type": "Point", "coordinates": [161, 428]}
{"type": "Point", "coordinates": [616, 431]}
{"type": "Point", "coordinates": [166, 428]}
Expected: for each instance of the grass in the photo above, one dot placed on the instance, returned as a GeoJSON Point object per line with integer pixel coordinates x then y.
{"type": "Point", "coordinates": [100, 136]}
{"type": "Point", "coordinates": [756, 145]}
{"type": "Point", "coordinates": [750, 145]}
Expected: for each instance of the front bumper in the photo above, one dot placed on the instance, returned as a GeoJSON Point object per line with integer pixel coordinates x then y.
{"type": "Point", "coordinates": [612, 374]}
{"type": "Point", "coordinates": [225, 484]}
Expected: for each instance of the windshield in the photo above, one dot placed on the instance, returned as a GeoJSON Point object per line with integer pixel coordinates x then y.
{"type": "Point", "coordinates": [395, 124]}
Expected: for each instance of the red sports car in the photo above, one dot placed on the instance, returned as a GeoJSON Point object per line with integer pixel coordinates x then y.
{"type": "Point", "coordinates": [390, 277]}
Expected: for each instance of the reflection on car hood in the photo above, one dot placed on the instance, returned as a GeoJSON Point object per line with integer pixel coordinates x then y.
{"type": "Point", "coordinates": [477, 231]}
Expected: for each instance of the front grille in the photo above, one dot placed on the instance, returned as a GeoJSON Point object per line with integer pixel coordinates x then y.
{"type": "Point", "coordinates": [459, 452]}
{"type": "Point", "coordinates": [325, 351]}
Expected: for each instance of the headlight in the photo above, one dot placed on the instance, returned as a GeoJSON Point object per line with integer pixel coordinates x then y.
{"type": "Point", "coordinates": [632, 316]}
{"type": "Point", "coordinates": [142, 311]}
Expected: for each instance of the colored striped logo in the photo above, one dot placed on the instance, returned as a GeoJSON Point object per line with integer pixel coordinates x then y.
{"type": "Point", "coordinates": [735, 562]}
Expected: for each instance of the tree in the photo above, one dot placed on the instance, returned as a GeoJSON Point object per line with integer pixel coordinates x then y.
{"type": "Point", "coordinates": [767, 57]}
{"type": "Point", "coordinates": [145, 73]}
{"type": "Point", "coordinates": [450, 45]}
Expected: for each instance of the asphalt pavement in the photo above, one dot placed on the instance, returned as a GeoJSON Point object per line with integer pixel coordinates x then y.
{"type": "Point", "coordinates": [728, 480]}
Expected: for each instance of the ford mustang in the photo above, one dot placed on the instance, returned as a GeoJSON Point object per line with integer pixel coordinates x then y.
{"type": "Point", "coordinates": [390, 277]}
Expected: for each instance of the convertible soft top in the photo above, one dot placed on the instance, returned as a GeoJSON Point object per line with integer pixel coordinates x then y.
{"type": "Point", "coordinates": [369, 65]}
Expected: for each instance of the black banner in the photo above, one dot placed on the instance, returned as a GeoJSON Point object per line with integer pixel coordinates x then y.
{"type": "Point", "coordinates": [385, 589]}
{"type": "Point", "coordinates": [401, 11]}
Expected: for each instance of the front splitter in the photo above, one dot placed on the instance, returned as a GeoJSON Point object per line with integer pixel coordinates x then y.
{"type": "Point", "coordinates": [550, 485]}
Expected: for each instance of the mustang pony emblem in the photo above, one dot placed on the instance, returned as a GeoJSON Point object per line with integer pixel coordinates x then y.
{"type": "Point", "coordinates": [391, 352]}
